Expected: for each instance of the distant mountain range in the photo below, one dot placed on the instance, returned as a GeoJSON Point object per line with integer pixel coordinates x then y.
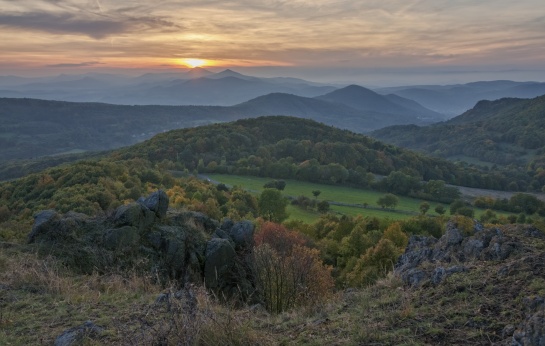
{"type": "Point", "coordinates": [34, 128]}
{"type": "Point", "coordinates": [199, 86]}
{"type": "Point", "coordinates": [195, 87]}
{"type": "Point", "coordinates": [505, 131]}
{"type": "Point", "coordinates": [455, 99]}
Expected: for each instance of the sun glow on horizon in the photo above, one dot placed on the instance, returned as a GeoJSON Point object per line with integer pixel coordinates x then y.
{"type": "Point", "coordinates": [192, 63]}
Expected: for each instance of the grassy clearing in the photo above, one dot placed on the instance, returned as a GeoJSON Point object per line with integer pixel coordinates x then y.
{"type": "Point", "coordinates": [328, 192]}
{"type": "Point", "coordinates": [406, 208]}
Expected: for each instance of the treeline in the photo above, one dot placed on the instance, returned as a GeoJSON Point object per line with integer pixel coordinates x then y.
{"type": "Point", "coordinates": [293, 148]}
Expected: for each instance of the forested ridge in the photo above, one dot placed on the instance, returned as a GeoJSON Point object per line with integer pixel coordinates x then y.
{"type": "Point", "coordinates": [275, 147]}
{"type": "Point", "coordinates": [505, 132]}
{"type": "Point", "coordinates": [287, 147]}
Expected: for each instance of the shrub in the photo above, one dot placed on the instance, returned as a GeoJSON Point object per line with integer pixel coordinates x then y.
{"type": "Point", "coordinates": [288, 273]}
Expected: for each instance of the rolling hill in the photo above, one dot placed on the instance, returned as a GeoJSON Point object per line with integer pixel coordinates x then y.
{"type": "Point", "coordinates": [34, 128]}
{"type": "Point", "coordinates": [505, 131]}
{"type": "Point", "coordinates": [401, 109]}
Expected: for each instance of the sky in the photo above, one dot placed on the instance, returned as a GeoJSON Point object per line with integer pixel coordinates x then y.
{"type": "Point", "coordinates": [382, 42]}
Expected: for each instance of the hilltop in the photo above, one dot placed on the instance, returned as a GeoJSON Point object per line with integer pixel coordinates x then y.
{"type": "Point", "coordinates": [401, 110]}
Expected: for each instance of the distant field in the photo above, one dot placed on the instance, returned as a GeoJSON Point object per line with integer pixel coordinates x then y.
{"type": "Point", "coordinates": [406, 208]}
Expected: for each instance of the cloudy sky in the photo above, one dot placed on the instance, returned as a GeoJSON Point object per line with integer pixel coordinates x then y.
{"type": "Point", "coordinates": [370, 41]}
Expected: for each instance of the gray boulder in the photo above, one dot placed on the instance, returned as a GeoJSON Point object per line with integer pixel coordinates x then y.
{"type": "Point", "coordinates": [157, 202]}
{"type": "Point", "coordinates": [452, 247]}
{"type": "Point", "coordinates": [121, 239]}
{"type": "Point", "coordinates": [75, 335]}
{"type": "Point", "coordinates": [45, 222]}
{"type": "Point", "coordinates": [133, 214]}
{"type": "Point", "coordinates": [242, 234]}
{"type": "Point", "coordinates": [532, 330]}
{"type": "Point", "coordinates": [220, 260]}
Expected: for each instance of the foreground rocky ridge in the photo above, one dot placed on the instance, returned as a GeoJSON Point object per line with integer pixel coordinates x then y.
{"type": "Point", "coordinates": [514, 258]}
{"type": "Point", "coordinates": [475, 285]}
{"type": "Point", "coordinates": [174, 246]}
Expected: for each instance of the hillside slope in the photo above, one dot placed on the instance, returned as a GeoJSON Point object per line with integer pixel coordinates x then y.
{"type": "Point", "coordinates": [400, 110]}
{"type": "Point", "coordinates": [493, 295]}
{"type": "Point", "coordinates": [505, 131]}
{"type": "Point", "coordinates": [473, 286]}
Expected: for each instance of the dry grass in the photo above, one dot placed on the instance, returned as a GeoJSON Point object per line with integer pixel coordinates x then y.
{"type": "Point", "coordinates": [39, 299]}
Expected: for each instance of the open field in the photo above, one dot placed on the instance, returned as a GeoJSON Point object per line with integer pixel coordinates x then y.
{"type": "Point", "coordinates": [344, 200]}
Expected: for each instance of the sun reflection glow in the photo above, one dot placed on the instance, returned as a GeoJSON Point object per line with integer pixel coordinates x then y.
{"type": "Point", "coordinates": [194, 62]}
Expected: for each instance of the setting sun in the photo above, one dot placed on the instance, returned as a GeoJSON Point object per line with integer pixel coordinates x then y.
{"type": "Point", "coordinates": [194, 62]}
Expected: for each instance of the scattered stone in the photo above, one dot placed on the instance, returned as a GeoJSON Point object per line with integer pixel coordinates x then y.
{"type": "Point", "coordinates": [439, 274]}
{"type": "Point", "coordinates": [414, 277]}
{"type": "Point", "coordinates": [74, 335]}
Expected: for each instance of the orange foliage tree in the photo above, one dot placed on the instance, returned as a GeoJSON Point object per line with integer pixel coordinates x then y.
{"type": "Point", "coordinates": [288, 273]}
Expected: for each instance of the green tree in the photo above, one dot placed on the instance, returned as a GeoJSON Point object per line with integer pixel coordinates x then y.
{"type": "Point", "coordinates": [440, 209]}
{"type": "Point", "coordinates": [323, 207]}
{"type": "Point", "coordinates": [272, 205]}
{"type": "Point", "coordinates": [525, 202]}
{"type": "Point", "coordinates": [388, 200]}
{"type": "Point", "coordinates": [316, 193]}
{"type": "Point", "coordinates": [275, 184]}
{"type": "Point", "coordinates": [457, 204]}
{"type": "Point", "coordinates": [424, 207]}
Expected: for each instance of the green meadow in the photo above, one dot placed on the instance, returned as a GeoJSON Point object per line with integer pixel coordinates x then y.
{"type": "Point", "coordinates": [352, 198]}
{"type": "Point", "coordinates": [344, 200]}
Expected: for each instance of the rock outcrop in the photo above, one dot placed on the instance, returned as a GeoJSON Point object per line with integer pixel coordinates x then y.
{"type": "Point", "coordinates": [184, 246]}
{"type": "Point", "coordinates": [505, 263]}
{"type": "Point", "coordinates": [427, 259]}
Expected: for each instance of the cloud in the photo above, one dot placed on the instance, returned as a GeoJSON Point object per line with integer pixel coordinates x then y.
{"type": "Point", "coordinates": [94, 25]}
{"type": "Point", "coordinates": [63, 23]}
{"type": "Point", "coordinates": [81, 64]}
